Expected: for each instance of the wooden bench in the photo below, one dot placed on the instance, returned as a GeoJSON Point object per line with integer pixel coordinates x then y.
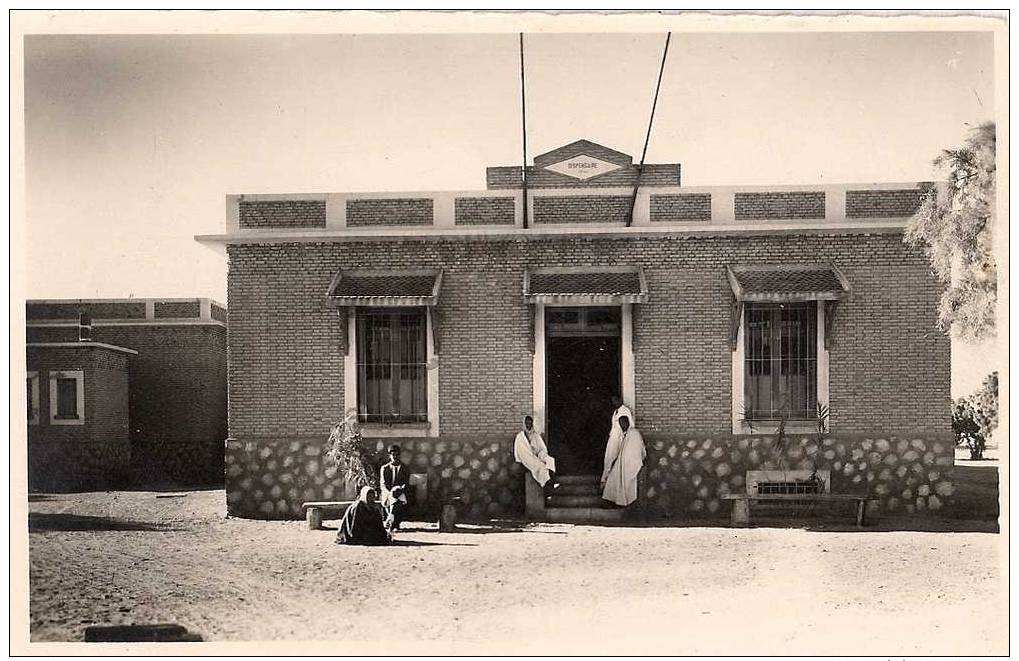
{"type": "Point", "coordinates": [315, 511]}
{"type": "Point", "coordinates": [741, 503]}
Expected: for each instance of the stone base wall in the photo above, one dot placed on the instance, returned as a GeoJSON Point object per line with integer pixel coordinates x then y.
{"type": "Point", "coordinates": [687, 477]}
{"type": "Point", "coordinates": [683, 477]}
{"type": "Point", "coordinates": [269, 478]}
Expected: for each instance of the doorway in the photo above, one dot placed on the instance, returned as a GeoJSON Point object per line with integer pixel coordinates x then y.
{"type": "Point", "coordinates": [583, 353]}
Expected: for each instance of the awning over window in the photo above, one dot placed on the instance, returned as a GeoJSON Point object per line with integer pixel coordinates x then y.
{"type": "Point", "coordinates": [607, 285]}
{"type": "Point", "coordinates": [385, 288]}
{"type": "Point", "coordinates": [787, 283]}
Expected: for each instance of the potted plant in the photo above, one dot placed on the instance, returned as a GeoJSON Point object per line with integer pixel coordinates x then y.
{"type": "Point", "coordinates": [345, 449]}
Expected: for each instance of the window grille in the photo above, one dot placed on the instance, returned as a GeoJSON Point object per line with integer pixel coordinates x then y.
{"type": "Point", "coordinates": [781, 361]}
{"type": "Point", "coordinates": [392, 369]}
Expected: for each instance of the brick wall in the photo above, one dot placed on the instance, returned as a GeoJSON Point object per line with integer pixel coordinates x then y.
{"type": "Point", "coordinates": [178, 401]}
{"type": "Point", "coordinates": [69, 311]}
{"type": "Point", "coordinates": [290, 214]}
{"type": "Point", "coordinates": [882, 203]}
{"type": "Point", "coordinates": [581, 209]}
{"type": "Point", "coordinates": [485, 210]}
{"type": "Point", "coordinates": [218, 313]}
{"type": "Point", "coordinates": [286, 362]}
{"type": "Point", "coordinates": [681, 207]}
{"type": "Point", "coordinates": [508, 177]}
{"type": "Point", "coordinates": [92, 455]}
{"type": "Point", "coordinates": [779, 206]}
{"type": "Point", "coordinates": [396, 211]}
{"type": "Point", "coordinates": [169, 310]}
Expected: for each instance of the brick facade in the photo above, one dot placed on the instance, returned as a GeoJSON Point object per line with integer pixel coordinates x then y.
{"type": "Point", "coordinates": [286, 359]}
{"type": "Point", "coordinates": [391, 211]}
{"type": "Point", "coordinates": [485, 210]}
{"type": "Point", "coordinates": [581, 209]}
{"type": "Point", "coordinates": [290, 214]}
{"type": "Point", "coordinates": [680, 207]}
{"type": "Point", "coordinates": [92, 455]}
{"type": "Point", "coordinates": [883, 203]}
{"type": "Point", "coordinates": [779, 206]}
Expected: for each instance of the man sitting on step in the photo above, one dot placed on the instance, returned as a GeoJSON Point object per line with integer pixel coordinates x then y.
{"type": "Point", "coordinates": [529, 449]}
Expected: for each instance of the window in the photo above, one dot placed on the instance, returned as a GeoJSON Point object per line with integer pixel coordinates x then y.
{"type": "Point", "coordinates": [32, 395]}
{"type": "Point", "coordinates": [67, 397]}
{"type": "Point", "coordinates": [392, 365]}
{"type": "Point", "coordinates": [780, 361]}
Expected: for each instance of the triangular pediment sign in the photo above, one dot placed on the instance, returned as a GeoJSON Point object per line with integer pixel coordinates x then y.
{"type": "Point", "coordinates": [582, 167]}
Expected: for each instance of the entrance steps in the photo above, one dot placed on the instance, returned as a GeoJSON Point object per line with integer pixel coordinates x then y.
{"type": "Point", "coordinates": [578, 500]}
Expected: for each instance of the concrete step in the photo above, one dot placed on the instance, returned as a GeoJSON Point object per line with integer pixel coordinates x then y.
{"type": "Point", "coordinates": [578, 479]}
{"type": "Point", "coordinates": [566, 500]}
{"type": "Point", "coordinates": [578, 490]}
{"type": "Point", "coordinates": [583, 514]}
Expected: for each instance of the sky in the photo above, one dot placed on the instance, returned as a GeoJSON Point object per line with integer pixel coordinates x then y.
{"type": "Point", "coordinates": [132, 142]}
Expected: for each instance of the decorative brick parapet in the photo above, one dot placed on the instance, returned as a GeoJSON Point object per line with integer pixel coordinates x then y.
{"type": "Point", "coordinates": [390, 211]}
{"type": "Point", "coordinates": [279, 214]}
{"type": "Point", "coordinates": [581, 209]}
{"type": "Point", "coordinates": [681, 207]}
{"type": "Point", "coordinates": [895, 203]}
{"type": "Point", "coordinates": [779, 206]}
{"type": "Point", "coordinates": [485, 210]}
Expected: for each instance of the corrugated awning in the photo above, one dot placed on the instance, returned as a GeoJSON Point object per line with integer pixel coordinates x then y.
{"type": "Point", "coordinates": [787, 282]}
{"type": "Point", "coordinates": [607, 285]}
{"type": "Point", "coordinates": [385, 288]}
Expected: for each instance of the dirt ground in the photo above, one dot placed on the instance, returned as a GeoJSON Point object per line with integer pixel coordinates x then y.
{"type": "Point", "coordinates": [671, 588]}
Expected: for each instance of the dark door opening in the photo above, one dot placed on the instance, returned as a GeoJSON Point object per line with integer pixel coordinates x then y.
{"type": "Point", "coordinates": [582, 373]}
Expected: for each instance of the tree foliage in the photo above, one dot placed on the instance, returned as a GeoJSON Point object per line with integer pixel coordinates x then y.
{"type": "Point", "coordinates": [985, 404]}
{"type": "Point", "coordinates": [954, 225]}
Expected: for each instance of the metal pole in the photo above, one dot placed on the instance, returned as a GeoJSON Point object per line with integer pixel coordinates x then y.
{"type": "Point", "coordinates": [647, 138]}
{"type": "Point", "coordinates": [523, 116]}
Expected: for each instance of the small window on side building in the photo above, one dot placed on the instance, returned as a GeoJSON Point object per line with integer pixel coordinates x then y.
{"type": "Point", "coordinates": [67, 397]}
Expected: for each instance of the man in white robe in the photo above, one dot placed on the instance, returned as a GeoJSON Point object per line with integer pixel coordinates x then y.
{"type": "Point", "coordinates": [615, 435]}
{"type": "Point", "coordinates": [530, 450]}
{"type": "Point", "coordinates": [621, 479]}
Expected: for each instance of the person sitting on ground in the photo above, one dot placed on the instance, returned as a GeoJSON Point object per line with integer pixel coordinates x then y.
{"type": "Point", "coordinates": [529, 449]}
{"type": "Point", "coordinates": [621, 477]}
{"type": "Point", "coordinates": [362, 523]}
{"type": "Point", "coordinates": [393, 485]}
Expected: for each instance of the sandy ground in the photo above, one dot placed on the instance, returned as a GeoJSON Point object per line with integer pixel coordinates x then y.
{"type": "Point", "coordinates": [144, 557]}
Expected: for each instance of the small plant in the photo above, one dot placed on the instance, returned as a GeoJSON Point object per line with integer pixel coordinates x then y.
{"type": "Point", "coordinates": [346, 450]}
{"type": "Point", "coordinates": [820, 433]}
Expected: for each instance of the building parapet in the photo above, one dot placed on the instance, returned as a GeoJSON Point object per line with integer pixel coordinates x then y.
{"type": "Point", "coordinates": [125, 311]}
{"type": "Point", "coordinates": [669, 208]}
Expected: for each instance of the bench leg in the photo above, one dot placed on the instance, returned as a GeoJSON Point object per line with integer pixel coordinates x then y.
{"type": "Point", "coordinates": [447, 518]}
{"type": "Point", "coordinates": [861, 513]}
{"type": "Point", "coordinates": [741, 513]}
{"type": "Point", "coordinates": [314, 517]}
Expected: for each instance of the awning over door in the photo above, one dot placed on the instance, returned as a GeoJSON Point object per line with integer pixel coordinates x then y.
{"type": "Point", "coordinates": [385, 288]}
{"type": "Point", "coordinates": [787, 283]}
{"type": "Point", "coordinates": [605, 285]}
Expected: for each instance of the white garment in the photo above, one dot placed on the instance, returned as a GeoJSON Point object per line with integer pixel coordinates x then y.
{"type": "Point", "coordinates": [615, 436]}
{"type": "Point", "coordinates": [621, 480]}
{"type": "Point", "coordinates": [529, 449]}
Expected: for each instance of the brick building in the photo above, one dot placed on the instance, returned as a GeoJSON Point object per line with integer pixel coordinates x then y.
{"type": "Point", "coordinates": [135, 396]}
{"type": "Point", "coordinates": [442, 318]}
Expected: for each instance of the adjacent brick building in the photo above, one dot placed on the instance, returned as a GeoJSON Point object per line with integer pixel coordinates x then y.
{"type": "Point", "coordinates": [442, 318]}
{"type": "Point", "coordinates": [148, 382]}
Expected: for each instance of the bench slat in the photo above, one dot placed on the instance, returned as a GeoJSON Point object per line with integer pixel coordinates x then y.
{"type": "Point", "coordinates": [794, 496]}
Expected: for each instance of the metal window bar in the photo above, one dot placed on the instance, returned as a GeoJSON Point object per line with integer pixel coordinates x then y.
{"type": "Point", "coordinates": [780, 365]}
{"type": "Point", "coordinates": [392, 365]}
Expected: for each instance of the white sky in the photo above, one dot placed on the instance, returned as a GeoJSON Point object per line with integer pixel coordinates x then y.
{"type": "Point", "coordinates": [132, 142]}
